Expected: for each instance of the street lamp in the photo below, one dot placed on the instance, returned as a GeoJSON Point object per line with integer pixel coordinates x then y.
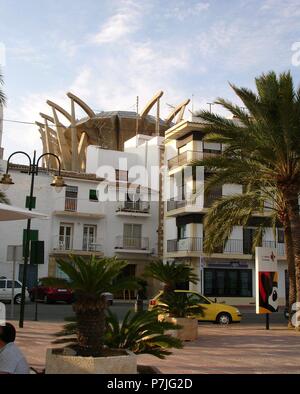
{"type": "Point", "coordinates": [6, 181]}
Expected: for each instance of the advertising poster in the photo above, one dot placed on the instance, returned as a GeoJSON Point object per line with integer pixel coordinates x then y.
{"type": "Point", "coordinates": [266, 280]}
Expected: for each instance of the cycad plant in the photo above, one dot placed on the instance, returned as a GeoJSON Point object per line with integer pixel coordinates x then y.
{"type": "Point", "coordinates": [139, 332]}
{"type": "Point", "coordinates": [261, 146]}
{"type": "Point", "coordinates": [171, 274]}
{"type": "Point", "coordinates": [178, 304]}
{"type": "Point", "coordinates": [90, 279]}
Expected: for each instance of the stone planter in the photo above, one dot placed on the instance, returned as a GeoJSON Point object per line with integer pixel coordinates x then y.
{"type": "Point", "coordinates": [189, 330]}
{"type": "Point", "coordinates": [67, 362]}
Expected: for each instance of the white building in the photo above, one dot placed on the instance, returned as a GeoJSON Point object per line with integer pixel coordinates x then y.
{"type": "Point", "coordinates": [229, 273]}
{"type": "Point", "coordinates": [79, 223]}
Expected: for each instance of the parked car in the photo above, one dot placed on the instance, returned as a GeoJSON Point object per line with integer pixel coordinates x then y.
{"type": "Point", "coordinates": [51, 294]}
{"type": "Point", "coordinates": [212, 311]}
{"type": "Point", "coordinates": [6, 290]}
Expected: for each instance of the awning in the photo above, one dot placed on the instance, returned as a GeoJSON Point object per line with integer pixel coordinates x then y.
{"type": "Point", "coordinates": [9, 212]}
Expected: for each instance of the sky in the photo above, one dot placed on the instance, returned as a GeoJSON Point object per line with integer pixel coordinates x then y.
{"type": "Point", "coordinates": [108, 52]}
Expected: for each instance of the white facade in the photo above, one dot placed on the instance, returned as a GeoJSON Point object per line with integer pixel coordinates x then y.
{"type": "Point", "coordinates": [80, 224]}
{"type": "Point", "coordinates": [227, 274]}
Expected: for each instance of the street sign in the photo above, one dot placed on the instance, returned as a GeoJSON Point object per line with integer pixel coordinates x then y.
{"type": "Point", "coordinates": [266, 271]}
{"type": "Point", "coordinates": [14, 252]}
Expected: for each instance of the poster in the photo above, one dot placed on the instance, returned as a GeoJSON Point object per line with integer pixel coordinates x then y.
{"type": "Point", "coordinates": [266, 273]}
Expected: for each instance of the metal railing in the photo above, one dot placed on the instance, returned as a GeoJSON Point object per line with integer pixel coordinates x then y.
{"type": "Point", "coordinates": [65, 243]}
{"type": "Point", "coordinates": [232, 246]}
{"type": "Point", "coordinates": [71, 204]}
{"type": "Point", "coordinates": [191, 244]}
{"type": "Point", "coordinates": [135, 206]}
{"type": "Point", "coordinates": [134, 243]}
{"type": "Point", "coordinates": [188, 157]}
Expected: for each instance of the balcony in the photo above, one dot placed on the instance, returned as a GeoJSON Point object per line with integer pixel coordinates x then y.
{"type": "Point", "coordinates": [231, 246]}
{"type": "Point", "coordinates": [132, 244]}
{"type": "Point", "coordinates": [64, 244]}
{"type": "Point", "coordinates": [134, 208]}
{"type": "Point", "coordinates": [74, 207]}
{"type": "Point", "coordinates": [188, 157]}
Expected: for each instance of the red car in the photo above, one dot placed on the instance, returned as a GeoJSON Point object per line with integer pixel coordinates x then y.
{"type": "Point", "coordinates": [51, 294]}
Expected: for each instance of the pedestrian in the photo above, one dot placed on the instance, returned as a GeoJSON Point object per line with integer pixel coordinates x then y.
{"type": "Point", "coordinates": [12, 361]}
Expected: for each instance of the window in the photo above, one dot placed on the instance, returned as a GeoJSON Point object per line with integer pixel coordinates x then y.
{"type": "Point", "coordinates": [66, 236]}
{"type": "Point", "coordinates": [93, 195]}
{"type": "Point", "coordinates": [227, 282]}
{"type": "Point", "coordinates": [132, 236]}
{"type": "Point", "coordinates": [280, 236]}
{"type": "Point", "coordinates": [17, 284]}
{"type": "Point", "coordinates": [89, 237]}
{"type": "Point", "coordinates": [122, 175]}
{"type": "Point", "coordinates": [2, 284]}
{"type": "Point", "coordinates": [181, 231]}
{"type": "Point", "coordinates": [198, 298]}
{"type": "Point", "coordinates": [71, 198]}
{"type": "Point", "coordinates": [248, 236]}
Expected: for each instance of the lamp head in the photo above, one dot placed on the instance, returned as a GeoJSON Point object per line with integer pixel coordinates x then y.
{"type": "Point", "coordinates": [58, 183]}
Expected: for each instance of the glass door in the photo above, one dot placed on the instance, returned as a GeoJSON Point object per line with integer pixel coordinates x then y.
{"type": "Point", "coordinates": [89, 237]}
{"type": "Point", "coordinates": [66, 237]}
{"type": "Point", "coordinates": [132, 236]}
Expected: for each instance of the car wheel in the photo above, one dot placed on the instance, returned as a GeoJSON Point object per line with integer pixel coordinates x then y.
{"type": "Point", "coordinates": [18, 299]}
{"type": "Point", "coordinates": [224, 318]}
{"type": "Point", "coordinates": [32, 298]}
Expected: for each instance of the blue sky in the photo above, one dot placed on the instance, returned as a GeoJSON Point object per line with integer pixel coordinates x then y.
{"type": "Point", "coordinates": [108, 52]}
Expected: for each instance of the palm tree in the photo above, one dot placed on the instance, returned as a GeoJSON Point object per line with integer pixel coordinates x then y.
{"type": "Point", "coordinates": [2, 95]}
{"type": "Point", "coordinates": [237, 210]}
{"type": "Point", "coordinates": [3, 198]}
{"type": "Point", "coordinates": [90, 279]}
{"type": "Point", "coordinates": [261, 145]}
{"type": "Point", "coordinates": [170, 273]}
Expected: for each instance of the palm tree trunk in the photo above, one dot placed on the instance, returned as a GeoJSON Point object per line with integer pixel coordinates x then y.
{"type": "Point", "coordinates": [90, 330]}
{"type": "Point", "coordinates": [291, 266]}
{"type": "Point", "coordinates": [293, 213]}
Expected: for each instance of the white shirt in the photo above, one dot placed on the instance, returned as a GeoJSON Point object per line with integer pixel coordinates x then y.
{"type": "Point", "coordinates": [12, 360]}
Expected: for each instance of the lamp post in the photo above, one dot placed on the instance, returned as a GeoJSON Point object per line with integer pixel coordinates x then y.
{"type": "Point", "coordinates": [6, 181]}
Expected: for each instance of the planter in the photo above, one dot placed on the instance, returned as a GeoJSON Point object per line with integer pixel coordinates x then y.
{"type": "Point", "coordinates": [67, 362]}
{"type": "Point", "coordinates": [189, 330]}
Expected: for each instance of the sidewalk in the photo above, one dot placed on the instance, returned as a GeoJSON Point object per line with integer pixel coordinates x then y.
{"type": "Point", "coordinates": [230, 349]}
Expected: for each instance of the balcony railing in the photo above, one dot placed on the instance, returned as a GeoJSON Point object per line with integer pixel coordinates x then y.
{"type": "Point", "coordinates": [65, 243]}
{"type": "Point", "coordinates": [192, 244]}
{"type": "Point", "coordinates": [132, 243]}
{"type": "Point", "coordinates": [188, 157]}
{"type": "Point", "coordinates": [232, 246]}
{"type": "Point", "coordinates": [71, 204]}
{"type": "Point", "coordinates": [135, 206]}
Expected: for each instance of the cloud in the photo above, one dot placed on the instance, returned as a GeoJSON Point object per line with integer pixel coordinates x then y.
{"type": "Point", "coordinates": [69, 47]}
{"type": "Point", "coordinates": [184, 9]}
{"type": "Point", "coordinates": [27, 53]}
{"type": "Point", "coordinates": [284, 8]}
{"type": "Point", "coordinates": [124, 22]}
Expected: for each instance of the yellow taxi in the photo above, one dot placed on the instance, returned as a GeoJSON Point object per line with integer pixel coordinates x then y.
{"type": "Point", "coordinates": [211, 311]}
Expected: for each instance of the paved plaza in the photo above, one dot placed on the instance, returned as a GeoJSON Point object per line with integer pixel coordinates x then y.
{"type": "Point", "coordinates": [231, 349]}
